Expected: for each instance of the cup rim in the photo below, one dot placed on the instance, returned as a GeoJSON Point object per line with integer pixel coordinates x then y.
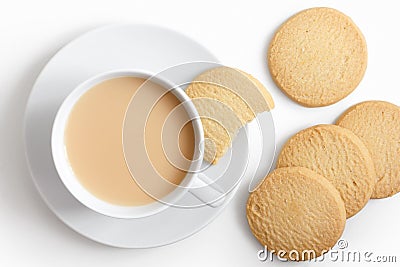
{"type": "Point", "coordinates": [71, 182]}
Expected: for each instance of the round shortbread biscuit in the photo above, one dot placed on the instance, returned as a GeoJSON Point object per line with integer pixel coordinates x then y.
{"type": "Point", "coordinates": [377, 123]}
{"type": "Point", "coordinates": [297, 211]}
{"type": "Point", "coordinates": [337, 154]}
{"type": "Point", "coordinates": [317, 57]}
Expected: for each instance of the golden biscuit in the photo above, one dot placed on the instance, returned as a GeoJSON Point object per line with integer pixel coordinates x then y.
{"type": "Point", "coordinates": [317, 57]}
{"type": "Point", "coordinates": [297, 211]}
{"type": "Point", "coordinates": [226, 99]}
{"type": "Point", "coordinates": [377, 123]}
{"type": "Point", "coordinates": [337, 154]}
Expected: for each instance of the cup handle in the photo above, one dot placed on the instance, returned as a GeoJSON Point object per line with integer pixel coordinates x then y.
{"type": "Point", "coordinates": [207, 191]}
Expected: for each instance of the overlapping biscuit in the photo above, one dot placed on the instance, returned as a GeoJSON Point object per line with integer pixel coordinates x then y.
{"type": "Point", "coordinates": [337, 154]}
{"type": "Point", "coordinates": [377, 123]}
{"type": "Point", "coordinates": [297, 211]}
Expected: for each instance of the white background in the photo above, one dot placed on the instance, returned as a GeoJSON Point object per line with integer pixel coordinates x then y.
{"type": "Point", "coordinates": [238, 33]}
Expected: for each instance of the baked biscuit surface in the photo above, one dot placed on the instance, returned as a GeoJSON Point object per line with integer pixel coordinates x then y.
{"type": "Point", "coordinates": [226, 99]}
{"type": "Point", "coordinates": [338, 155]}
{"type": "Point", "coordinates": [317, 57]}
{"type": "Point", "coordinates": [377, 123]}
{"type": "Point", "coordinates": [296, 209]}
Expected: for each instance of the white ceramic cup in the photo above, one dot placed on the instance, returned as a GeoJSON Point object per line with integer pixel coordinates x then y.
{"type": "Point", "coordinates": [194, 182]}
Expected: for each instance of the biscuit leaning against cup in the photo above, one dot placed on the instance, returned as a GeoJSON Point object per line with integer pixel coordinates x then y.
{"type": "Point", "coordinates": [226, 99]}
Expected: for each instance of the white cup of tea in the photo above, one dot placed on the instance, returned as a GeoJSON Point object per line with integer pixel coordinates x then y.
{"type": "Point", "coordinates": [194, 182]}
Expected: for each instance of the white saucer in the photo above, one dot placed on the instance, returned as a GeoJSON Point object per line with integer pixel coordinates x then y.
{"type": "Point", "coordinates": [153, 49]}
